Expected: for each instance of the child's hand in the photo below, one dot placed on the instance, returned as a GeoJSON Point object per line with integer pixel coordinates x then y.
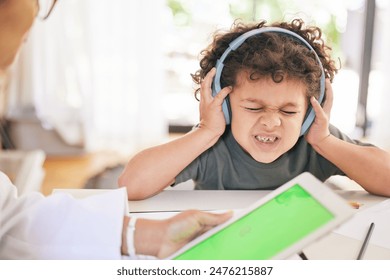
{"type": "Point", "coordinates": [211, 114]}
{"type": "Point", "coordinates": [319, 130]}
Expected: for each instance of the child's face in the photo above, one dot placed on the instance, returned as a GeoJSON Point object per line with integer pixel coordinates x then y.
{"type": "Point", "coordinates": [267, 116]}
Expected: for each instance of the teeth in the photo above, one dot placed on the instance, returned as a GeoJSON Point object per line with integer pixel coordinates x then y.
{"type": "Point", "coordinates": [266, 139]}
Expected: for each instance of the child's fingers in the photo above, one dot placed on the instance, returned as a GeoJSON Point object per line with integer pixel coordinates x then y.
{"type": "Point", "coordinates": [328, 97]}
{"type": "Point", "coordinates": [220, 97]}
{"type": "Point", "coordinates": [205, 88]}
{"type": "Point", "coordinates": [320, 113]}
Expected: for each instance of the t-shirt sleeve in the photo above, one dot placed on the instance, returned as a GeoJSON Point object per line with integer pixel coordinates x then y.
{"type": "Point", "coordinates": [329, 169]}
{"type": "Point", "coordinates": [336, 132]}
{"type": "Point", "coordinates": [188, 173]}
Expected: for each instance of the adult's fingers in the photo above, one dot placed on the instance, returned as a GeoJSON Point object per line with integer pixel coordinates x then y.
{"type": "Point", "coordinates": [213, 219]}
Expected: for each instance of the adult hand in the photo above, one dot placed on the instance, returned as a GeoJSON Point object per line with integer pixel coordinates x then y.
{"type": "Point", "coordinates": [210, 108]}
{"type": "Point", "coordinates": [319, 130]}
{"type": "Point", "coordinates": [161, 238]}
{"type": "Point", "coordinates": [185, 226]}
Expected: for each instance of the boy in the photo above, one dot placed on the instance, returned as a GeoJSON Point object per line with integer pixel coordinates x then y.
{"type": "Point", "coordinates": [271, 80]}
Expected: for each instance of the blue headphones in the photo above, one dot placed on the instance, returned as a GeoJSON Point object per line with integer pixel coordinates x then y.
{"type": "Point", "coordinates": [216, 87]}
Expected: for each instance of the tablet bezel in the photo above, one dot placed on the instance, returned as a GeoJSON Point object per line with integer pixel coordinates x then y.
{"type": "Point", "coordinates": [318, 190]}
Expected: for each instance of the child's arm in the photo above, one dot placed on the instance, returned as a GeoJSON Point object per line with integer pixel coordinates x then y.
{"type": "Point", "coordinates": [153, 169]}
{"type": "Point", "coordinates": [368, 166]}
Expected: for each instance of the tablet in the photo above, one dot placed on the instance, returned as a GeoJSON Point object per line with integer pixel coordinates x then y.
{"type": "Point", "coordinates": [277, 226]}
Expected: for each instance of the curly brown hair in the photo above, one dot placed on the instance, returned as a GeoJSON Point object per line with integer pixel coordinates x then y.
{"type": "Point", "coordinates": [269, 54]}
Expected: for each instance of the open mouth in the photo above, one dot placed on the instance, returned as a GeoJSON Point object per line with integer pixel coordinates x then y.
{"type": "Point", "coordinates": [266, 139]}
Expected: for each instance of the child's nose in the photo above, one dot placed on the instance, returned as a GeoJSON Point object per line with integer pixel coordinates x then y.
{"type": "Point", "coordinates": [270, 119]}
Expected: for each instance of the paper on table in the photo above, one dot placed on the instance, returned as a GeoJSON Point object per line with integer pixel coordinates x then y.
{"type": "Point", "coordinates": [358, 225]}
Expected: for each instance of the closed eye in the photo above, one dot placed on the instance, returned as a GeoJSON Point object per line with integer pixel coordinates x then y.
{"type": "Point", "coordinates": [288, 112]}
{"type": "Point", "coordinates": [261, 109]}
{"type": "Point", "coordinates": [253, 109]}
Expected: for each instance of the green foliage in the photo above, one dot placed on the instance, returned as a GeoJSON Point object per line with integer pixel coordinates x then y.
{"type": "Point", "coordinates": [320, 13]}
{"type": "Point", "coordinates": [181, 15]}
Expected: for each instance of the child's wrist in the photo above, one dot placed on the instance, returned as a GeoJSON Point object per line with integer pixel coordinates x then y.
{"type": "Point", "coordinates": [208, 135]}
{"type": "Point", "coordinates": [322, 144]}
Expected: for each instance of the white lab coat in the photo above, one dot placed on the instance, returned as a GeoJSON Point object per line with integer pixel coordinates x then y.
{"type": "Point", "coordinates": [59, 226]}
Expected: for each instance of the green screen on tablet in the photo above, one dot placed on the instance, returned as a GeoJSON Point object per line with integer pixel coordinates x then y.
{"type": "Point", "coordinates": [266, 231]}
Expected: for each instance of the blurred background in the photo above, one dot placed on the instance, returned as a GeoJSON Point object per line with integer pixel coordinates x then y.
{"type": "Point", "coordinates": [99, 80]}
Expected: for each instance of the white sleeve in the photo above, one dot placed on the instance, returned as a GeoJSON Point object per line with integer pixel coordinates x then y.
{"type": "Point", "coordinates": [59, 226]}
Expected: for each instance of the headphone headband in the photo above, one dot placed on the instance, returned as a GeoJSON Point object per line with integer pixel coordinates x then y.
{"type": "Point", "coordinates": [216, 87]}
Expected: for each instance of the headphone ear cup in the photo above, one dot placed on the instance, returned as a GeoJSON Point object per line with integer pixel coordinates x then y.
{"type": "Point", "coordinates": [226, 110]}
{"type": "Point", "coordinates": [310, 115]}
{"type": "Point", "coordinates": [216, 87]}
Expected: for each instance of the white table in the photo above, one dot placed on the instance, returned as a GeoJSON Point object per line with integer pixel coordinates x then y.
{"type": "Point", "coordinates": [179, 200]}
{"type": "Point", "coordinates": [332, 246]}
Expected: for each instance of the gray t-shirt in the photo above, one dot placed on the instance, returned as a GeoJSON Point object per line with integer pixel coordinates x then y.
{"type": "Point", "coordinates": [226, 166]}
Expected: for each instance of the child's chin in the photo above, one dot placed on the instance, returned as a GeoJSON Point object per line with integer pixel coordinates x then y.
{"type": "Point", "coordinates": [265, 159]}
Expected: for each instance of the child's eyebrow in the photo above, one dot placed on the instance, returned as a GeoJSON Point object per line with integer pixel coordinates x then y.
{"type": "Point", "coordinates": [258, 101]}
{"type": "Point", "coordinates": [252, 100]}
{"type": "Point", "coordinates": [290, 104]}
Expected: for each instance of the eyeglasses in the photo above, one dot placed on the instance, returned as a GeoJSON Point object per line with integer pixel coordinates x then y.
{"type": "Point", "coordinates": [45, 8]}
